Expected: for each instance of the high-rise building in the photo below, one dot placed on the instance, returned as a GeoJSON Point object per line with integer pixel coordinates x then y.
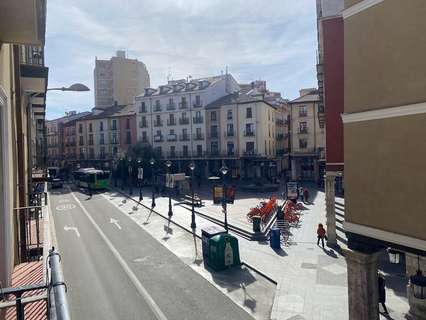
{"type": "Point", "coordinates": [384, 146]}
{"type": "Point", "coordinates": [119, 80]}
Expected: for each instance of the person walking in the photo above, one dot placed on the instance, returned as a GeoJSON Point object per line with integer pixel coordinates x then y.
{"type": "Point", "coordinates": [301, 193]}
{"type": "Point", "coordinates": [382, 292]}
{"type": "Point", "coordinates": [321, 234]}
{"type": "Point", "coordinates": [306, 195]}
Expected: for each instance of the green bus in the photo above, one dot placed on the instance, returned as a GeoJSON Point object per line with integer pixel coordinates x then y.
{"type": "Point", "coordinates": [92, 178]}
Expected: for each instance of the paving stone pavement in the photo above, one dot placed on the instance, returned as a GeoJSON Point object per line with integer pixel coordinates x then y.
{"type": "Point", "coordinates": [312, 281]}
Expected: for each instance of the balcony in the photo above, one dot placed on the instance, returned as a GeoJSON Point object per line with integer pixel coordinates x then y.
{"type": "Point", "coordinates": [90, 142]}
{"type": "Point", "coordinates": [142, 110]}
{"type": "Point", "coordinates": [144, 139]}
{"type": "Point", "coordinates": [229, 133]}
{"type": "Point", "coordinates": [183, 121]}
{"type": "Point", "coordinates": [157, 108]}
{"type": "Point", "coordinates": [198, 104]}
{"type": "Point", "coordinates": [172, 154]}
{"type": "Point", "coordinates": [250, 153]}
{"type": "Point", "coordinates": [171, 122]}
{"type": "Point", "coordinates": [198, 136]}
{"type": "Point", "coordinates": [171, 106]}
{"type": "Point", "coordinates": [101, 141]}
{"type": "Point", "coordinates": [143, 124]}
{"type": "Point", "coordinates": [114, 128]}
{"type": "Point", "coordinates": [303, 114]}
{"type": "Point", "coordinates": [114, 141]}
{"type": "Point", "coordinates": [197, 120]}
{"type": "Point", "coordinates": [279, 122]}
{"type": "Point", "coordinates": [282, 152]}
{"type": "Point", "coordinates": [249, 133]}
{"type": "Point", "coordinates": [303, 131]}
{"type": "Point", "coordinates": [158, 138]}
{"type": "Point", "coordinates": [280, 136]}
{"type": "Point", "coordinates": [183, 105]}
{"type": "Point", "coordinates": [158, 123]}
{"type": "Point", "coordinates": [199, 154]}
{"type": "Point", "coordinates": [184, 137]}
{"type": "Point", "coordinates": [172, 137]}
{"type": "Point", "coordinates": [214, 135]}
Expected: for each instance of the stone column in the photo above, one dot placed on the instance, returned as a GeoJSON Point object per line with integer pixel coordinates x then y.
{"type": "Point", "coordinates": [293, 170]}
{"type": "Point", "coordinates": [417, 306]}
{"type": "Point", "coordinates": [363, 293]}
{"type": "Point", "coordinates": [330, 179]}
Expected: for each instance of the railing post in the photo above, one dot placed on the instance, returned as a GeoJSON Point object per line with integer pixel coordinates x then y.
{"type": "Point", "coordinates": [61, 309]}
{"type": "Point", "coordinates": [19, 307]}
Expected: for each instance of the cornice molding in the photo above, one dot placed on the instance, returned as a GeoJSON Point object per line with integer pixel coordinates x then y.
{"type": "Point", "coordinates": [359, 7]}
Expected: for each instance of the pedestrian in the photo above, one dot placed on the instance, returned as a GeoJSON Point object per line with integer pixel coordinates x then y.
{"type": "Point", "coordinates": [382, 291]}
{"type": "Point", "coordinates": [321, 234]}
{"type": "Point", "coordinates": [306, 195]}
{"type": "Point", "coordinates": [301, 193]}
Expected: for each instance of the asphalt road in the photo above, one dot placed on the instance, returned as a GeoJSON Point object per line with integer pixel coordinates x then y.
{"type": "Point", "coordinates": [116, 270]}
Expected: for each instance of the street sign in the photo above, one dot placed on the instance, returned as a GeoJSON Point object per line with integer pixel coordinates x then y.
{"type": "Point", "coordinates": [140, 173]}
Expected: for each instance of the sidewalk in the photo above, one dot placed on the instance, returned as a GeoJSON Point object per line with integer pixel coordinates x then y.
{"type": "Point", "coordinates": [312, 282]}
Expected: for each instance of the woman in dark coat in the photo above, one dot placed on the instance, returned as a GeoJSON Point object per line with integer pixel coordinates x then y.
{"type": "Point", "coordinates": [382, 292]}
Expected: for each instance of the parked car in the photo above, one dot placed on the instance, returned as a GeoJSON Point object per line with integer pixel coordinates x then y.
{"type": "Point", "coordinates": [56, 183]}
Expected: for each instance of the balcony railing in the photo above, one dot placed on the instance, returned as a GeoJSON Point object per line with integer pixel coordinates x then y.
{"type": "Point", "coordinates": [144, 140]}
{"type": "Point", "coordinates": [280, 136]}
{"type": "Point", "coordinates": [171, 106]}
{"type": "Point", "coordinates": [172, 137]}
{"type": "Point", "coordinates": [183, 121]}
{"type": "Point", "coordinates": [302, 131]}
{"type": "Point", "coordinates": [229, 133]}
{"type": "Point", "coordinates": [158, 138]}
{"type": "Point", "coordinates": [183, 105]}
{"type": "Point", "coordinates": [143, 124]}
{"type": "Point", "coordinates": [303, 114]}
{"type": "Point", "coordinates": [250, 153]}
{"type": "Point", "coordinates": [279, 122]}
{"type": "Point", "coordinates": [214, 135]}
{"type": "Point", "coordinates": [171, 122]}
{"type": "Point", "coordinates": [158, 123]}
{"type": "Point", "coordinates": [249, 133]}
{"type": "Point", "coordinates": [198, 104]}
{"type": "Point", "coordinates": [197, 119]}
{"type": "Point", "coordinates": [184, 137]}
{"type": "Point", "coordinates": [198, 136]}
{"type": "Point", "coordinates": [142, 110]}
{"type": "Point", "coordinates": [114, 141]}
{"type": "Point", "coordinates": [90, 142]}
{"type": "Point", "coordinates": [157, 108]}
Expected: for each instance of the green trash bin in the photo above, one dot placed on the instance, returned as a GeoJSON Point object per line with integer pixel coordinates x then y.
{"type": "Point", "coordinates": [223, 252]}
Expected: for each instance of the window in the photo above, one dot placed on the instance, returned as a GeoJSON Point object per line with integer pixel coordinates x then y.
{"type": "Point", "coordinates": [198, 131]}
{"type": "Point", "coordinates": [303, 111]}
{"type": "Point", "coordinates": [248, 113]}
{"type": "Point", "coordinates": [229, 115]}
{"type": "Point", "coordinates": [158, 133]}
{"type": "Point", "coordinates": [303, 127]}
{"type": "Point", "coordinates": [142, 107]}
{"type": "Point", "coordinates": [101, 139]}
{"type": "Point", "coordinates": [198, 114]}
{"type": "Point", "coordinates": [249, 129]}
{"type": "Point", "coordinates": [128, 138]}
{"type": "Point", "coordinates": [115, 150]}
{"type": "Point", "coordinates": [269, 115]}
{"type": "Point", "coordinates": [199, 150]}
{"type": "Point", "coordinates": [80, 142]}
{"type": "Point", "coordinates": [303, 143]}
{"type": "Point", "coordinates": [90, 127]}
{"type": "Point", "coordinates": [171, 132]}
{"type": "Point", "coordinates": [114, 138]}
{"type": "Point", "coordinates": [101, 126]}
{"type": "Point", "coordinates": [213, 116]}
{"type": "Point", "coordinates": [230, 148]}
{"type": "Point", "coordinates": [213, 131]}
{"type": "Point", "coordinates": [171, 102]}
{"type": "Point", "coordinates": [80, 128]}
{"type": "Point", "coordinates": [185, 151]}
{"type": "Point", "coordinates": [144, 136]}
{"type": "Point", "coordinates": [184, 115]}
{"type": "Point", "coordinates": [127, 123]}
{"type": "Point", "coordinates": [91, 153]}
{"type": "Point", "coordinates": [172, 118]}
{"type": "Point", "coordinates": [197, 101]}
{"type": "Point", "coordinates": [172, 151]}
{"type": "Point", "coordinates": [102, 152]}
{"type": "Point", "coordinates": [114, 124]}
{"type": "Point", "coordinates": [184, 132]}
{"type": "Point", "coordinates": [230, 129]}
{"type": "Point", "coordinates": [90, 139]}
{"type": "Point", "coordinates": [250, 147]}
{"type": "Point", "coordinates": [214, 147]}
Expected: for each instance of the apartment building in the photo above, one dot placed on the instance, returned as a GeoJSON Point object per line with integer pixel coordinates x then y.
{"type": "Point", "coordinates": [241, 133]}
{"type": "Point", "coordinates": [119, 80]}
{"type": "Point", "coordinates": [172, 117]}
{"type": "Point", "coordinates": [307, 137]}
{"type": "Point", "coordinates": [384, 145]}
{"type": "Point", "coordinates": [103, 135]}
{"type": "Point", "coordinates": [23, 80]}
{"type": "Point", "coordinates": [55, 137]}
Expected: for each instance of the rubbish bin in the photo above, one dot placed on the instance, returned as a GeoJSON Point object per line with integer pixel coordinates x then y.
{"type": "Point", "coordinates": [206, 234]}
{"type": "Point", "coordinates": [223, 252]}
{"type": "Point", "coordinates": [274, 238]}
{"type": "Point", "coordinates": [256, 224]}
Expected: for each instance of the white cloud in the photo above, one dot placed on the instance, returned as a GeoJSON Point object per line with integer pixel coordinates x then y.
{"type": "Point", "coordinates": [197, 37]}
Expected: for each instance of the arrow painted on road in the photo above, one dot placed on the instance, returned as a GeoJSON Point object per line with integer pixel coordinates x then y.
{"type": "Point", "coordinates": [66, 228]}
{"type": "Point", "coordinates": [113, 221]}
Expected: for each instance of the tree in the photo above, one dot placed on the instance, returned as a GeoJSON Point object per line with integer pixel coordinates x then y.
{"type": "Point", "coordinates": [142, 152]}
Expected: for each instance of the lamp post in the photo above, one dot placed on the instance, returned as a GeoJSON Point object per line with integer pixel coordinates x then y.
{"type": "Point", "coordinates": [224, 171]}
{"type": "Point", "coordinates": [130, 176]}
{"type": "Point", "coordinates": [192, 168]}
{"type": "Point", "coordinates": [168, 165]}
{"type": "Point", "coordinates": [140, 178]}
{"type": "Point", "coordinates": [152, 162]}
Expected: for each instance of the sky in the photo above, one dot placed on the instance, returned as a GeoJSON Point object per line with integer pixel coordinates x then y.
{"type": "Point", "coordinates": [272, 40]}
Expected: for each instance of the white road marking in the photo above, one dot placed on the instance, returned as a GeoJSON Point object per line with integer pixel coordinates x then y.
{"type": "Point", "coordinates": [138, 285]}
{"type": "Point", "coordinates": [67, 206]}
{"type": "Point", "coordinates": [115, 222]}
{"type": "Point", "coordinates": [63, 200]}
{"type": "Point", "coordinates": [66, 228]}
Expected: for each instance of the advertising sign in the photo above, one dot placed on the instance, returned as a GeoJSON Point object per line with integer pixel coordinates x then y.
{"type": "Point", "coordinates": [140, 173]}
{"type": "Point", "coordinates": [292, 190]}
{"type": "Point", "coordinates": [217, 194]}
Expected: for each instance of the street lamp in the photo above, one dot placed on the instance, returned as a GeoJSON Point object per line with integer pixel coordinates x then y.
{"type": "Point", "coordinates": [152, 162]}
{"type": "Point", "coordinates": [169, 182]}
{"type": "Point", "coordinates": [130, 176]}
{"type": "Point", "coordinates": [192, 168]}
{"type": "Point", "coordinates": [224, 171]}
{"type": "Point", "coordinates": [73, 87]}
{"type": "Point", "coordinates": [140, 177]}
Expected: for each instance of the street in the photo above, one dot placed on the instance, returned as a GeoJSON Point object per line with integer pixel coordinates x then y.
{"type": "Point", "coordinates": [116, 270]}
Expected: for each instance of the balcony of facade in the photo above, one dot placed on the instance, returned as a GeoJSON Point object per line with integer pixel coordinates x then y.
{"type": "Point", "coordinates": [144, 139]}
{"type": "Point", "coordinates": [157, 107]}
{"type": "Point", "coordinates": [143, 124]}
{"type": "Point", "coordinates": [143, 110]}
{"type": "Point", "coordinates": [280, 136]}
{"type": "Point", "coordinates": [197, 120]}
{"type": "Point", "coordinates": [279, 122]}
{"type": "Point", "coordinates": [250, 153]}
{"type": "Point", "coordinates": [214, 135]}
{"type": "Point", "coordinates": [229, 133]}
{"type": "Point", "coordinates": [171, 122]}
{"type": "Point", "coordinates": [198, 136]}
{"type": "Point", "coordinates": [183, 121]}
{"type": "Point", "coordinates": [198, 104]}
{"type": "Point", "coordinates": [184, 137]}
{"type": "Point", "coordinates": [248, 133]}
{"type": "Point", "coordinates": [158, 123]}
{"type": "Point", "coordinates": [90, 142]}
{"type": "Point", "coordinates": [183, 105]}
{"type": "Point", "coordinates": [198, 154]}
{"type": "Point", "coordinates": [158, 138]}
{"type": "Point", "coordinates": [282, 152]}
{"type": "Point", "coordinates": [303, 114]}
{"type": "Point", "coordinates": [172, 137]}
{"type": "Point", "coordinates": [114, 141]}
{"type": "Point", "coordinates": [171, 106]}
{"type": "Point", "coordinates": [303, 131]}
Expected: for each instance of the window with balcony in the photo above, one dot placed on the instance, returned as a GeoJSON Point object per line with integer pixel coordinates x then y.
{"type": "Point", "coordinates": [157, 121]}
{"type": "Point", "coordinates": [127, 123]}
{"type": "Point", "coordinates": [249, 130]}
{"type": "Point", "coordinates": [197, 102]}
{"type": "Point", "coordinates": [114, 124]}
{"type": "Point", "coordinates": [157, 106]}
{"type": "Point", "coordinates": [91, 139]}
{"type": "Point", "coordinates": [171, 104]}
{"type": "Point", "coordinates": [80, 141]}
{"type": "Point", "coordinates": [143, 123]}
{"type": "Point", "coordinates": [213, 132]}
{"type": "Point", "coordinates": [144, 137]}
{"type": "Point", "coordinates": [101, 139]}
{"type": "Point", "coordinates": [183, 104]}
{"type": "Point", "coordinates": [184, 119]}
{"type": "Point", "coordinates": [90, 127]}
{"type": "Point", "coordinates": [213, 116]}
{"type": "Point", "coordinates": [142, 107]}
{"type": "Point", "coordinates": [250, 147]}
{"type": "Point", "coordinates": [198, 118]}
{"type": "Point", "coordinates": [114, 139]}
{"type": "Point", "coordinates": [230, 148]}
{"type": "Point", "coordinates": [303, 127]}
{"type": "Point", "coordinates": [229, 115]}
{"type": "Point", "coordinates": [230, 130]}
{"type": "Point", "coordinates": [214, 146]}
{"type": "Point", "coordinates": [185, 151]}
{"type": "Point", "coordinates": [101, 126]}
{"type": "Point", "coordinates": [172, 120]}
{"type": "Point", "coordinates": [249, 113]}
{"type": "Point", "coordinates": [102, 153]}
{"type": "Point", "coordinates": [184, 136]}
{"type": "Point", "coordinates": [303, 111]}
{"type": "Point", "coordinates": [303, 143]}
